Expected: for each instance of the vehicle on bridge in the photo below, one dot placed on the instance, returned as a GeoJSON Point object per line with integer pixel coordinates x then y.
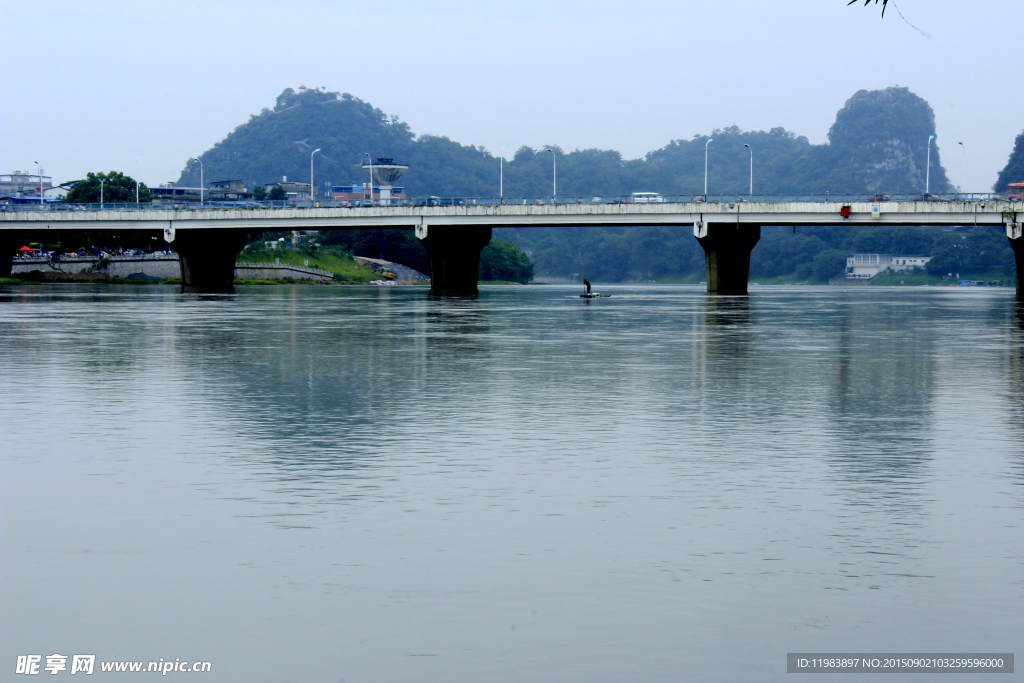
{"type": "Point", "coordinates": [646, 198]}
{"type": "Point", "coordinates": [1015, 192]}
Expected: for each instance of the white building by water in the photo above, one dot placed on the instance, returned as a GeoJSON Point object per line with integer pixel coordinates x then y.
{"type": "Point", "coordinates": [864, 266]}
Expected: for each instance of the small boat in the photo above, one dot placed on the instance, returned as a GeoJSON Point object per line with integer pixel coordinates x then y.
{"type": "Point", "coordinates": [595, 295]}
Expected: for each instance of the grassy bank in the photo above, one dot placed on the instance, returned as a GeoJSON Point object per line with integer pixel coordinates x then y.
{"type": "Point", "coordinates": [335, 260]}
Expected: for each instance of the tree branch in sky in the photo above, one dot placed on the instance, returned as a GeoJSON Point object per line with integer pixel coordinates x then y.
{"type": "Point", "coordinates": [868, 2]}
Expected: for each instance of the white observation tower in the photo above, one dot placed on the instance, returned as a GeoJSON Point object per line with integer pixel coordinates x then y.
{"type": "Point", "coordinates": [385, 172]}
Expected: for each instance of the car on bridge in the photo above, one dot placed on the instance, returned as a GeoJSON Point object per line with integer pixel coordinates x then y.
{"type": "Point", "coordinates": [646, 198]}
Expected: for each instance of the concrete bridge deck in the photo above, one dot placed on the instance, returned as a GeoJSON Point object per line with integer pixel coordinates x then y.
{"type": "Point", "coordinates": [208, 239]}
{"type": "Point", "coordinates": [990, 212]}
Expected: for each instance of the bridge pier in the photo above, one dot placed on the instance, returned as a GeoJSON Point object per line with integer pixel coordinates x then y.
{"type": "Point", "coordinates": [727, 256]}
{"type": "Point", "coordinates": [454, 254]}
{"type": "Point", "coordinates": [1018, 255]}
{"type": "Point", "coordinates": [10, 242]}
{"type": "Point", "coordinates": [207, 257]}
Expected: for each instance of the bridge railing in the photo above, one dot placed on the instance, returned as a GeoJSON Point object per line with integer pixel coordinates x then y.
{"type": "Point", "coordinates": [510, 201]}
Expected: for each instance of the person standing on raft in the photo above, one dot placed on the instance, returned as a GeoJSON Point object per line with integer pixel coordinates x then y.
{"type": "Point", "coordinates": [586, 283]}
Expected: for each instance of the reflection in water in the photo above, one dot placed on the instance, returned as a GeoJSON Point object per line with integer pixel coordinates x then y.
{"type": "Point", "coordinates": [455, 330]}
{"type": "Point", "coordinates": [881, 410]}
{"type": "Point", "coordinates": [631, 482]}
{"type": "Point", "coordinates": [728, 326]}
{"type": "Point", "coordinates": [1015, 385]}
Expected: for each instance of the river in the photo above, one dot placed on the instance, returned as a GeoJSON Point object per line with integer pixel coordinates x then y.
{"type": "Point", "coordinates": [359, 484]}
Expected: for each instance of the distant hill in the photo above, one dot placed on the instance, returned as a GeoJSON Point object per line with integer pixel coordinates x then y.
{"type": "Point", "coordinates": [878, 143]}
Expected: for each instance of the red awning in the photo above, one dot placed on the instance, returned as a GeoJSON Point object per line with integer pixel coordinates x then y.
{"type": "Point", "coordinates": [27, 249]}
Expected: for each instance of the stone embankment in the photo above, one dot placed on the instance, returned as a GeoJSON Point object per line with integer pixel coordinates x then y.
{"type": "Point", "coordinates": [158, 267]}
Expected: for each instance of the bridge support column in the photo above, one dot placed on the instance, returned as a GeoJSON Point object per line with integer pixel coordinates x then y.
{"type": "Point", "coordinates": [10, 242]}
{"type": "Point", "coordinates": [207, 257]}
{"type": "Point", "coordinates": [1018, 253]}
{"type": "Point", "coordinates": [454, 254]}
{"type": "Point", "coordinates": [727, 256]}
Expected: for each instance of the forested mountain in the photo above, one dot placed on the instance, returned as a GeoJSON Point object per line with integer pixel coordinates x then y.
{"type": "Point", "coordinates": [879, 143]}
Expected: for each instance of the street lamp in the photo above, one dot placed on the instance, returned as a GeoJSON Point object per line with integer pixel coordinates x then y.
{"type": "Point", "coordinates": [554, 172]}
{"type": "Point", "coordinates": [202, 190]}
{"type": "Point", "coordinates": [370, 159]}
{"type": "Point", "coordinates": [751, 170]}
{"type": "Point", "coordinates": [501, 171]}
{"type": "Point", "coordinates": [312, 187]}
{"type": "Point", "coordinates": [963, 157]}
{"type": "Point", "coordinates": [928, 165]}
{"type": "Point", "coordinates": [40, 169]}
{"type": "Point", "coordinates": [706, 167]}
{"type": "Point", "coordinates": [102, 180]}
{"type": "Point", "coordinates": [137, 179]}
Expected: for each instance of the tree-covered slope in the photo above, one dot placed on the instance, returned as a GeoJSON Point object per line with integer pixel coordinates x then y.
{"type": "Point", "coordinates": [1013, 172]}
{"type": "Point", "coordinates": [278, 142]}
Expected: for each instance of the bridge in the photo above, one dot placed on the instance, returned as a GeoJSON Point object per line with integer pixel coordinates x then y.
{"type": "Point", "coordinates": [454, 231]}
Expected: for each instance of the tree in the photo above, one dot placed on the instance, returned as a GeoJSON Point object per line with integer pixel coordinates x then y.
{"type": "Point", "coordinates": [981, 251]}
{"type": "Point", "coordinates": [117, 187]}
{"type": "Point", "coordinates": [259, 193]}
{"type": "Point", "coordinates": [277, 194]}
{"type": "Point", "coordinates": [501, 260]}
{"type": "Point", "coordinates": [829, 263]}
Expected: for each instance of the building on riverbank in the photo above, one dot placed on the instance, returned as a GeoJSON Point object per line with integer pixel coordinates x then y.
{"type": "Point", "coordinates": [867, 266]}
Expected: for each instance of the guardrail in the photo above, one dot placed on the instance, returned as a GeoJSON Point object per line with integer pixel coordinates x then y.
{"type": "Point", "coordinates": [489, 201]}
{"type": "Point", "coordinates": [286, 266]}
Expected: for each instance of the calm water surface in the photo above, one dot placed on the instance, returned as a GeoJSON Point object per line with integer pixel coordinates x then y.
{"type": "Point", "coordinates": [365, 484]}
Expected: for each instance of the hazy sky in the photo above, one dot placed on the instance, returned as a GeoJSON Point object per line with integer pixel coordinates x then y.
{"type": "Point", "coordinates": [90, 86]}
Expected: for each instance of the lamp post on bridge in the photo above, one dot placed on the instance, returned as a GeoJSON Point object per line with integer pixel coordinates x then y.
{"type": "Point", "coordinates": [312, 187]}
{"type": "Point", "coordinates": [751, 171]}
{"type": "Point", "coordinates": [501, 172]}
{"type": "Point", "coordinates": [40, 170]}
{"type": "Point", "coordinates": [928, 165]}
{"type": "Point", "coordinates": [102, 180]}
{"type": "Point", "coordinates": [963, 157]}
{"type": "Point", "coordinates": [706, 167]}
{"type": "Point", "coordinates": [137, 179]}
{"type": "Point", "coordinates": [202, 190]}
{"type": "Point", "coordinates": [370, 160]}
{"type": "Point", "coordinates": [554, 173]}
